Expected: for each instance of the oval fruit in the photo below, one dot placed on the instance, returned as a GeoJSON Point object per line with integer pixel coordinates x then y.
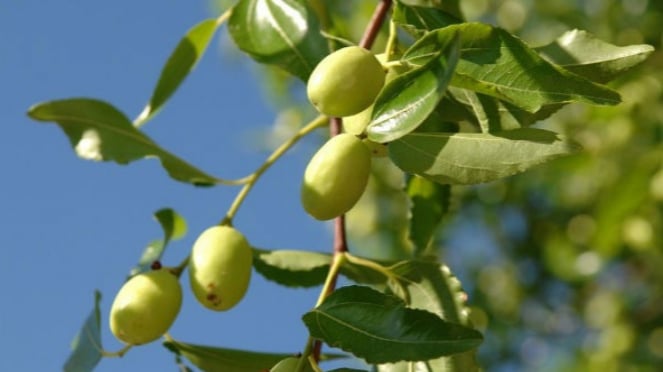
{"type": "Point", "coordinates": [220, 267]}
{"type": "Point", "coordinates": [145, 307]}
{"type": "Point", "coordinates": [345, 82]}
{"type": "Point", "coordinates": [336, 177]}
{"type": "Point", "coordinates": [356, 124]}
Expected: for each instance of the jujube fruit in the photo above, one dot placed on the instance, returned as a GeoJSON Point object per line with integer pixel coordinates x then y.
{"type": "Point", "coordinates": [345, 82]}
{"type": "Point", "coordinates": [289, 365]}
{"type": "Point", "coordinates": [220, 267]}
{"type": "Point", "coordinates": [336, 177]}
{"type": "Point", "coordinates": [356, 124]}
{"type": "Point", "coordinates": [145, 307]}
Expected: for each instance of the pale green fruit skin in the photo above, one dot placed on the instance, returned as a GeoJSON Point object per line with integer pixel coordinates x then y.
{"type": "Point", "coordinates": [335, 177]}
{"type": "Point", "coordinates": [378, 150]}
{"type": "Point", "coordinates": [145, 307]}
{"type": "Point", "coordinates": [220, 267]}
{"type": "Point", "coordinates": [345, 82]}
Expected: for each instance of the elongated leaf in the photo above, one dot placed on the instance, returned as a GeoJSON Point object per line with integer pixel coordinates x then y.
{"type": "Point", "coordinates": [584, 54]}
{"type": "Point", "coordinates": [98, 131]}
{"type": "Point", "coordinates": [292, 268]}
{"type": "Point", "coordinates": [183, 59]}
{"type": "Point", "coordinates": [284, 33]}
{"type": "Point", "coordinates": [410, 98]}
{"type": "Point", "coordinates": [418, 20]}
{"type": "Point", "coordinates": [86, 346]}
{"type": "Point", "coordinates": [468, 158]}
{"type": "Point", "coordinates": [217, 359]}
{"type": "Point", "coordinates": [380, 329]}
{"type": "Point", "coordinates": [296, 268]}
{"type": "Point", "coordinates": [498, 64]}
{"type": "Point", "coordinates": [429, 202]}
{"type": "Point", "coordinates": [451, 7]}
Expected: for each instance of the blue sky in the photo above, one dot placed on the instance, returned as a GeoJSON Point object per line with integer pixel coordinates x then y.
{"type": "Point", "coordinates": [71, 226]}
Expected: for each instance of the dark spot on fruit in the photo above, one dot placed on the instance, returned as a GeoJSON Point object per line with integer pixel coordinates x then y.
{"type": "Point", "coordinates": [156, 265]}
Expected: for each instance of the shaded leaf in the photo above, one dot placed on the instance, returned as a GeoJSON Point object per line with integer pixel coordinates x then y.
{"type": "Point", "coordinates": [284, 33]}
{"type": "Point", "coordinates": [98, 131]}
{"type": "Point", "coordinates": [429, 202]}
{"type": "Point", "coordinates": [409, 99]}
{"type": "Point", "coordinates": [451, 7]}
{"type": "Point", "coordinates": [584, 54]}
{"type": "Point", "coordinates": [469, 158]}
{"type": "Point", "coordinates": [418, 20]}
{"type": "Point", "coordinates": [183, 59]}
{"type": "Point", "coordinates": [217, 359]}
{"type": "Point", "coordinates": [86, 346]}
{"type": "Point", "coordinates": [173, 224]}
{"type": "Point", "coordinates": [380, 329]}
{"type": "Point", "coordinates": [498, 64]}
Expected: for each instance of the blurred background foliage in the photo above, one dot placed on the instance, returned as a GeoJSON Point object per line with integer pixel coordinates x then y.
{"type": "Point", "coordinates": [563, 264]}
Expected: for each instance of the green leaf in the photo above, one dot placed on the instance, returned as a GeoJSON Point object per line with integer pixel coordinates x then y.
{"type": "Point", "coordinates": [469, 158]}
{"type": "Point", "coordinates": [498, 64]}
{"type": "Point", "coordinates": [380, 329]}
{"type": "Point", "coordinates": [584, 54]}
{"type": "Point", "coordinates": [86, 346]}
{"type": "Point", "coordinates": [418, 20]}
{"type": "Point", "coordinates": [284, 33]}
{"type": "Point", "coordinates": [347, 370]}
{"type": "Point", "coordinates": [297, 268]}
{"type": "Point", "coordinates": [434, 288]}
{"type": "Point", "coordinates": [216, 359]}
{"type": "Point", "coordinates": [292, 268]}
{"type": "Point", "coordinates": [429, 202]}
{"type": "Point", "coordinates": [173, 224]}
{"type": "Point", "coordinates": [180, 63]}
{"type": "Point", "coordinates": [98, 131]}
{"type": "Point", "coordinates": [410, 98]}
{"type": "Point", "coordinates": [451, 7]}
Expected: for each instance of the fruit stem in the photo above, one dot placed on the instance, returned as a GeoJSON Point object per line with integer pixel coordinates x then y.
{"type": "Point", "coordinates": [116, 354]}
{"type": "Point", "coordinates": [316, 123]}
{"type": "Point", "coordinates": [375, 23]}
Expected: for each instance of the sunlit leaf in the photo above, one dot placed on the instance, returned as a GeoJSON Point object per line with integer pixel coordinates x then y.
{"type": "Point", "coordinates": [86, 346]}
{"type": "Point", "coordinates": [410, 98]}
{"type": "Point", "coordinates": [498, 64]}
{"type": "Point", "coordinates": [586, 55]}
{"type": "Point", "coordinates": [98, 131]}
{"type": "Point", "coordinates": [173, 224]}
{"type": "Point", "coordinates": [279, 32]}
{"type": "Point", "coordinates": [183, 59]}
{"type": "Point", "coordinates": [354, 318]}
{"type": "Point", "coordinates": [468, 158]}
{"type": "Point", "coordinates": [217, 359]}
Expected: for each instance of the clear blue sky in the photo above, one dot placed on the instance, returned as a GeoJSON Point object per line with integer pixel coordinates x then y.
{"type": "Point", "coordinates": [71, 226]}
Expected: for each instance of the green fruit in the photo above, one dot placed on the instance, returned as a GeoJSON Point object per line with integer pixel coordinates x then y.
{"type": "Point", "coordinates": [378, 150]}
{"type": "Point", "coordinates": [145, 307]}
{"type": "Point", "coordinates": [336, 177]}
{"type": "Point", "coordinates": [345, 82]}
{"type": "Point", "coordinates": [220, 267]}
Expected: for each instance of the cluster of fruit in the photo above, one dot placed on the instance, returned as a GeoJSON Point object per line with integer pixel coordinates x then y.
{"type": "Point", "coordinates": [344, 84]}
{"type": "Point", "coordinates": [219, 274]}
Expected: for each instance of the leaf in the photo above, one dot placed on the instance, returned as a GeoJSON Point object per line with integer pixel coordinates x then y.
{"type": "Point", "coordinates": [451, 7]}
{"type": "Point", "coordinates": [347, 370]}
{"type": "Point", "coordinates": [434, 288]}
{"type": "Point", "coordinates": [418, 20]}
{"type": "Point", "coordinates": [498, 64]}
{"type": "Point", "coordinates": [469, 158]}
{"type": "Point", "coordinates": [292, 268]}
{"type": "Point", "coordinates": [98, 131]}
{"type": "Point", "coordinates": [216, 359]}
{"type": "Point", "coordinates": [410, 98]}
{"type": "Point", "coordinates": [180, 63]}
{"type": "Point", "coordinates": [296, 268]}
{"type": "Point", "coordinates": [173, 224]}
{"type": "Point", "coordinates": [86, 346]}
{"type": "Point", "coordinates": [284, 33]}
{"type": "Point", "coordinates": [584, 54]}
{"type": "Point", "coordinates": [429, 202]}
{"type": "Point", "coordinates": [380, 329]}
